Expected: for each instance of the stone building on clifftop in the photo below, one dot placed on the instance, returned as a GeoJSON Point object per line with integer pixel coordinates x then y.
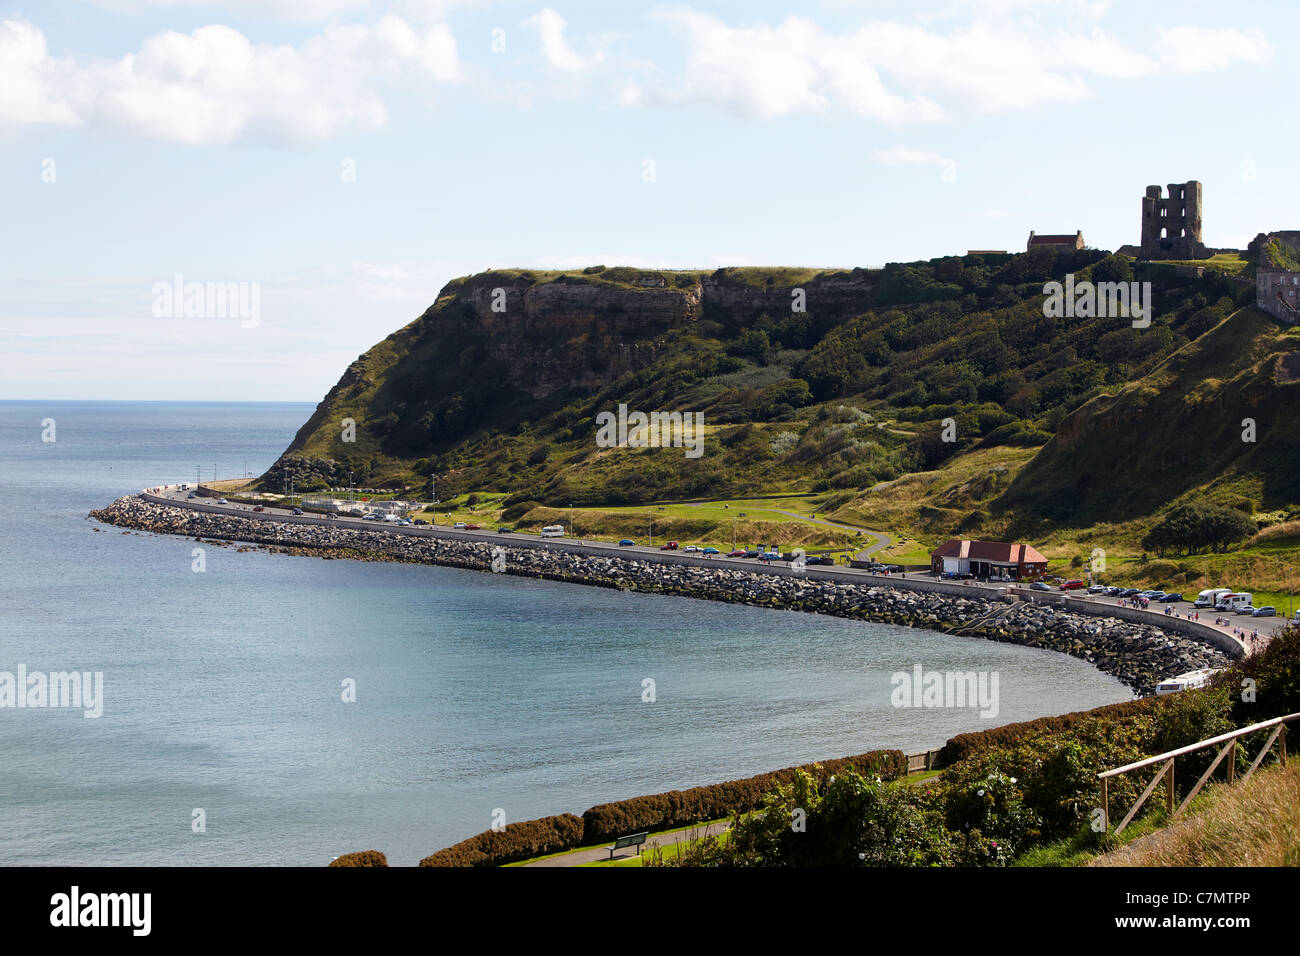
{"type": "Point", "coordinates": [1171, 226]}
{"type": "Point", "coordinates": [1073, 243]}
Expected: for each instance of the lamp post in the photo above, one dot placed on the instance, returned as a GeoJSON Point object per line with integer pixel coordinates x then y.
{"type": "Point", "coordinates": [652, 531]}
{"type": "Point", "coordinates": [572, 533]}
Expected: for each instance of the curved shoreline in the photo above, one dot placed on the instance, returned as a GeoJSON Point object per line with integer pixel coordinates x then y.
{"type": "Point", "coordinates": [1139, 655]}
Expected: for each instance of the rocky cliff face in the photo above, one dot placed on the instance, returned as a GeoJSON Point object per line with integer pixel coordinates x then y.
{"type": "Point", "coordinates": [502, 347]}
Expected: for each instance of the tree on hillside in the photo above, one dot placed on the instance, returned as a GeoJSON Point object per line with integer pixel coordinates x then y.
{"type": "Point", "coordinates": [1194, 528]}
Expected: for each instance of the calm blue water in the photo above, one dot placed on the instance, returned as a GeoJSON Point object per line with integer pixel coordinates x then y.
{"type": "Point", "coordinates": [474, 691]}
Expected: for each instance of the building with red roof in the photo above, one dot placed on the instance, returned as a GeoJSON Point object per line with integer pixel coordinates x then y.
{"type": "Point", "coordinates": [987, 558]}
{"type": "Point", "coordinates": [1074, 242]}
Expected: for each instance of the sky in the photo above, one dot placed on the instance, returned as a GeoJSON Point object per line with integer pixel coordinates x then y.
{"type": "Point", "coordinates": [339, 161]}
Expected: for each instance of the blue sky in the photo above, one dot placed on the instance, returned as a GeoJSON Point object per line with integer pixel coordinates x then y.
{"type": "Point", "coordinates": [141, 139]}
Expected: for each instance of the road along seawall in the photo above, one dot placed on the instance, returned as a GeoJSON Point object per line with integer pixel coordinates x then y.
{"type": "Point", "coordinates": [1138, 653]}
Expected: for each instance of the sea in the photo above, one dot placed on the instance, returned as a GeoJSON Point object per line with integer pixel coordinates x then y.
{"type": "Point", "coordinates": [265, 709]}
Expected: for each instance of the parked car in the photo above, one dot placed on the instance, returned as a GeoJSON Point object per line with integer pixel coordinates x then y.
{"type": "Point", "coordinates": [820, 559]}
{"type": "Point", "coordinates": [1246, 609]}
{"type": "Point", "coordinates": [751, 553]}
{"type": "Point", "coordinates": [258, 508]}
{"type": "Point", "coordinates": [712, 551]}
{"type": "Point", "coordinates": [404, 523]}
{"type": "Point", "coordinates": [222, 501]}
{"type": "Point", "coordinates": [419, 521]}
{"type": "Point", "coordinates": [472, 527]}
{"type": "Point", "coordinates": [1171, 598]}
{"type": "Point", "coordinates": [626, 543]}
{"type": "Point", "coordinates": [1113, 591]}
{"type": "Point", "coordinates": [191, 495]}
{"type": "Point", "coordinates": [691, 547]}
{"type": "Point", "coordinates": [1267, 611]}
{"type": "Point", "coordinates": [738, 553]}
{"type": "Point", "coordinates": [505, 530]}
{"type": "Point", "coordinates": [1097, 589]}
{"type": "Point", "coordinates": [669, 546]}
{"type": "Point", "coordinates": [1040, 586]}
{"type": "Point", "coordinates": [460, 526]}
{"type": "Point", "coordinates": [297, 511]}
{"type": "Point", "coordinates": [1128, 592]}
{"type": "Point", "coordinates": [370, 516]}
{"type": "Point", "coordinates": [1072, 586]}
{"type": "Point", "coordinates": [331, 515]}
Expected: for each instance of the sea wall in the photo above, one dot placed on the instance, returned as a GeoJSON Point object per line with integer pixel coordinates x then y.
{"type": "Point", "coordinates": [1137, 653]}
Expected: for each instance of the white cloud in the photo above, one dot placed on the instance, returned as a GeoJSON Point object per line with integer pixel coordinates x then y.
{"type": "Point", "coordinates": [214, 86]}
{"type": "Point", "coordinates": [34, 86]}
{"type": "Point", "coordinates": [898, 72]}
{"type": "Point", "coordinates": [1202, 49]}
{"type": "Point", "coordinates": [550, 27]}
{"type": "Point", "coordinates": [766, 72]}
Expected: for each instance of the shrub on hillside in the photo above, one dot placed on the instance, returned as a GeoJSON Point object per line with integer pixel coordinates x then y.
{"type": "Point", "coordinates": [1193, 528]}
{"type": "Point", "coordinates": [1267, 684]}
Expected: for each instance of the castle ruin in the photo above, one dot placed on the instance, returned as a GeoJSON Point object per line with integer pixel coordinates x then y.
{"type": "Point", "coordinates": [1171, 227]}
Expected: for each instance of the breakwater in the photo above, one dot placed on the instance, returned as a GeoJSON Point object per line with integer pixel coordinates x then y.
{"type": "Point", "coordinates": [1138, 654]}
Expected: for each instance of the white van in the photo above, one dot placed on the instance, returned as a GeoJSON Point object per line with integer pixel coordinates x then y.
{"type": "Point", "coordinates": [1210, 597]}
{"type": "Point", "coordinates": [1186, 681]}
{"type": "Point", "coordinates": [1233, 601]}
{"type": "Point", "coordinates": [392, 518]}
{"type": "Point", "coordinates": [553, 531]}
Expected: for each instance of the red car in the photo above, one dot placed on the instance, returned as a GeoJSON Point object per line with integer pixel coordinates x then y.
{"type": "Point", "coordinates": [1071, 585]}
{"type": "Point", "coordinates": [258, 508]}
{"type": "Point", "coordinates": [670, 546]}
{"type": "Point", "coordinates": [472, 527]}
{"type": "Point", "coordinates": [738, 553]}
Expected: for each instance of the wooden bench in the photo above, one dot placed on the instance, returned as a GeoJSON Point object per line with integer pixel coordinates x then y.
{"type": "Point", "coordinates": [635, 839]}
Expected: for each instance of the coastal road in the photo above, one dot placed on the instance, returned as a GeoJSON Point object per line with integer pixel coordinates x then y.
{"type": "Point", "coordinates": [518, 539]}
{"type": "Point", "coordinates": [918, 581]}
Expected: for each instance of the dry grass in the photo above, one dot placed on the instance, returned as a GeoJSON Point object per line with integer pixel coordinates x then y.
{"type": "Point", "coordinates": [1252, 824]}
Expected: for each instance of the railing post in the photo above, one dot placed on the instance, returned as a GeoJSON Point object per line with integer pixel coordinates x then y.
{"type": "Point", "coordinates": [1105, 805]}
{"type": "Point", "coordinates": [1169, 786]}
{"type": "Point", "coordinates": [1281, 744]}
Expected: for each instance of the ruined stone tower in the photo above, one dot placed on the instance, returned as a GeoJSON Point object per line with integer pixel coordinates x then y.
{"type": "Point", "coordinates": [1171, 228]}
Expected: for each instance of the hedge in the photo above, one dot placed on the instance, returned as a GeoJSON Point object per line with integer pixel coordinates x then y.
{"type": "Point", "coordinates": [678, 808]}
{"type": "Point", "coordinates": [361, 858]}
{"type": "Point", "coordinates": [964, 745]}
{"type": "Point", "coordinates": [522, 841]}
{"type": "Point", "coordinates": [514, 841]}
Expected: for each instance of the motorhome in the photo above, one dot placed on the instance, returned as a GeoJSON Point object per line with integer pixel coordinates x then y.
{"type": "Point", "coordinates": [1233, 601]}
{"type": "Point", "coordinates": [1186, 681]}
{"type": "Point", "coordinates": [553, 531]}
{"type": "Point", "coordinates": [1210, 597]}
